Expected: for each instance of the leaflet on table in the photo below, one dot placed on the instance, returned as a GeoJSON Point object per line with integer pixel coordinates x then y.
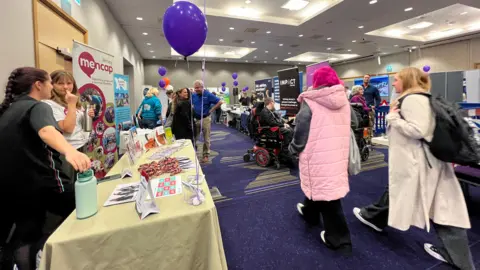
{"type": "Point", "coordinates": [123, 193]}
{"type": "Point", "coordinates": [138, 149]}
{"type": "Point", "coordinates": [166, 186]}
{"type": "Point", "coordinates": [145, 208]}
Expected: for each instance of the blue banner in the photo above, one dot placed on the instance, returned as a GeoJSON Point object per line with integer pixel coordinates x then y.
{"type": "Point", "coordinates": [264, 88]}
{"type": "Point", "coordinates": [121, 84]}
{"type": "Point", "coordinates": [381, 82]}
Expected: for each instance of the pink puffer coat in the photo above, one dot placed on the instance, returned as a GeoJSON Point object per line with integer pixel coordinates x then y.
{"type": "Point", "coordinates": [324, 161]}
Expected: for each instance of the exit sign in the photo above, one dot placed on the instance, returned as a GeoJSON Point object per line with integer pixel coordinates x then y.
{"type": "Point", "coordinates": [79, 2]}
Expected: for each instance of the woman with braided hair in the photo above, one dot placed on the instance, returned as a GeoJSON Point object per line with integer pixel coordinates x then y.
{"type": "Point", "coordinates": [32, 181]}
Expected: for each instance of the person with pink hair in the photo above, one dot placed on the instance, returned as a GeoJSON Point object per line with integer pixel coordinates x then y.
{"type": "Point", "coordinates": [322, 139]}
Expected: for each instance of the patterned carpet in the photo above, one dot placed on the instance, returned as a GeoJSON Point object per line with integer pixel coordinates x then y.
{"type": "Point", "coordinates": [261, 228]}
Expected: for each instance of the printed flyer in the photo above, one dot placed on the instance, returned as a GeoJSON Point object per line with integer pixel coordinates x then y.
{"type": "Point", "coordinates": [93, 71]}
{"type": "Point", "coordinates": [122, 102]}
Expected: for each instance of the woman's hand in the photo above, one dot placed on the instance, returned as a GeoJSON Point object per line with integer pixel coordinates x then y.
{"type": "Point", "coordinates": [91, 113]}
{"type": "Point", "coordinates": [394, 109]}
{"type": "Point", "coordinates": [71, 98]}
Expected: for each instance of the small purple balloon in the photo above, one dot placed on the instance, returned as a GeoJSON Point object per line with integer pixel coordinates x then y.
{"type": "Point", "coordinates": [246, 88]}
{"type": "Point", "coordinates": [162, 83]}
{"type": "Point", "coordinates": [185, 27]}
{"type": "Point", "coordinates": [162, 71]}
{"type": "Point", "coordinates": [224, 84]}
{"type": "Point", "coordinates": [234, 75]}
{"type": "Point", "coordinates": [235, 83]}
{"type": "Point", "coordinates": [426, 68]}
{"type": "Point", "coordinates": [223, 89]}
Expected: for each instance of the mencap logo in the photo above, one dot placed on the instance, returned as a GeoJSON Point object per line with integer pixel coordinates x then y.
{"type": "Point", "coordinates": [88, 65]}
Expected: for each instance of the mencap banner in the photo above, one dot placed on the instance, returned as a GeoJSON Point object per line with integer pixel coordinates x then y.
{"type": "Point", "coordinates": [289, 90]}
{"type": "Point", "coordinates": [93, 72]}
{"type": "Point", "coordinates": [311, 69]}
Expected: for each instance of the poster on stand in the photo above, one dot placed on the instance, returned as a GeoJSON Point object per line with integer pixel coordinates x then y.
{"type": "Point", "coordinates": [289, 90]}
{"type": "Point", "coordinates": [122, 102]}
{"type": "Point", "coordinates": [264, 88]}
{"type": "Point", "coordinates": [381, 82]}
{"type": "Point", "coordinates": [276, 92]}
{"type": "Point", "coordinates": [311, 69]}
{"type": "Point", "coordinates": [93, 72]}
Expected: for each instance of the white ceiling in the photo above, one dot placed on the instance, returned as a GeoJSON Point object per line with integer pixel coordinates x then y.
{"type": "Point", "coordinates": [326, 35]}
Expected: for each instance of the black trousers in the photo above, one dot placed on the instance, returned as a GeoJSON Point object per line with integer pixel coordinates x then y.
{"type": "Point", "coordinates": [337, 234]}
{"type": "Point", "coordinates": [453, 241]}
{"type": "Point", "coordinates": [29, 214]}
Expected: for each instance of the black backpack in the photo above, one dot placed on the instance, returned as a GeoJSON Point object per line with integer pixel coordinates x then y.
{"type": "Point", "coordinates": [453, 141]}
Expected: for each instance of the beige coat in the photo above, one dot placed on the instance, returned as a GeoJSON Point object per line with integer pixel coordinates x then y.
{"type": "Point", "coordinates": [417, 192]}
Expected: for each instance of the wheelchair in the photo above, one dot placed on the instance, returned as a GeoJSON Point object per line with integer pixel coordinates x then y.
{"type": "Point", "coordinates": [268, 141]}
{"type": "Point", "coordinates": [363, 134]}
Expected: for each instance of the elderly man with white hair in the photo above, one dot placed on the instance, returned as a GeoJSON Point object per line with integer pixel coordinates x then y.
{"type": "Point", "coordinates": [204, 103]}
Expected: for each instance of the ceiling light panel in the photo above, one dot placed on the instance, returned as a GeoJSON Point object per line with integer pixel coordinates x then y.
{"type": "Point", "coordinates": [314, 57]}
{"type": "Point", "coordinates": [226, 52]}
{"type": "Point", "coordinates": [284, 12]}
{"type": "Point", "coordinates": [295, 4]}
{"type": "Point", "coordinates": [433, 25]}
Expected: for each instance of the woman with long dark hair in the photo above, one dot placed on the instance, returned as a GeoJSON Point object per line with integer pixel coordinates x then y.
{"type": "Point", "coordinates": [69, 114]}
{"type": "Point", "coordinates": [182, 115]}
{"type": "Point", "coordinates": [32, 179]}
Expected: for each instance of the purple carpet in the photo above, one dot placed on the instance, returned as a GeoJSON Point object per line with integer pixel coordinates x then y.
{"type": "Point", "coordinates": [263, 230]}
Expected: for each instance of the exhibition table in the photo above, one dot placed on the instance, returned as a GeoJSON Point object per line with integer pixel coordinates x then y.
{"type": "Point", "coordinates": [181, 236]}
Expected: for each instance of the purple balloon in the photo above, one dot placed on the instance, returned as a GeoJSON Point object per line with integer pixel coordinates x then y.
{"type": "Point", "coordinates": [185, 27]}
{"type": "Point", "coordinates": [224, 84]}
{"type": "Point", "coordinates": [223, 89]}
{"type": "Point", "coordinates": [162, 83]}
{"type": "Point", "coordinates": [235, 83]}
{"type": "Point", "coordinates": [426, 68]}
{"type": "Point", "coordinates": [234, 75]}
{"type": "Point", "coordinates": [162, 71]}
{"type": "Point", "coordinates": [246, 88]}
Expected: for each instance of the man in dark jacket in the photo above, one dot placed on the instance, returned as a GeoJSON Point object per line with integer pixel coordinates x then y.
{"type": "Point", "coordinates": [269, 118]}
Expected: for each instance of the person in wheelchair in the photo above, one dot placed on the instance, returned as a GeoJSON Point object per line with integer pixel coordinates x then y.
{"type": "Point", "coordinates": [269, 118]}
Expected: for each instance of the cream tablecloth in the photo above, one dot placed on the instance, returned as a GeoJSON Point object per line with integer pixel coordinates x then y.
{"type": "Point", "coordinates": [180, 237]}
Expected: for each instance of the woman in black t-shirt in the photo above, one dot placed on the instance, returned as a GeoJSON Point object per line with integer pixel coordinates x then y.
{"type": "Point", "coordinates": [32, 180]}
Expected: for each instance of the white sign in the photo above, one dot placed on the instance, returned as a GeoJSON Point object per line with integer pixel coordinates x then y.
{"type": "Point", "coordinates": [145, 208]}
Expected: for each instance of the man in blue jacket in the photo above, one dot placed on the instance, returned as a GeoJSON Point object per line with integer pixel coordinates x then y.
{"type": "Point", "coordinates": [210, 103]}
{"type": "Point", "coordinates": [370, 92]}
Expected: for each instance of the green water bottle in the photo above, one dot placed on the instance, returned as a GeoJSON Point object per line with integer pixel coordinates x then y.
{"type": "Point", "coordinates": [86, 194]}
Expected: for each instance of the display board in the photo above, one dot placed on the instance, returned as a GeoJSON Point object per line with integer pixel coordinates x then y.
{"type": "Point", "coordinates": [289, 90]}
{"type": "Point", "coordinates": [121, 85]}
{"type": "Point", "coordinates": [93, 72]}
{"type": "Point", "coordinates": [381, 82]}
{"type": "Point", "coordinates": [311, 69]}
{"type": "Point", "coordinates": [264, 87]}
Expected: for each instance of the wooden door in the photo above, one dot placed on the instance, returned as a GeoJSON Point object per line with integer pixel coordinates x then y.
{"type": "Point", "coordinates": [54, 29]}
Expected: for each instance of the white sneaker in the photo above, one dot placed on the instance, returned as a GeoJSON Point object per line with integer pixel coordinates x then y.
{"type": "Point", "coordinates": [322, 235]}
{"type": "Point", "coordinates": [357, 213]}
{"type": "Point", "coordinates": [433, 251]}
{"type": "Point", "coordinates": [300, 208]}
{"type": "Point", "coordinates": [39, 258]}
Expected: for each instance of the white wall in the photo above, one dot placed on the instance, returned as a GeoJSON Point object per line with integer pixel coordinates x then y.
{"type": "Point", "coordinates": [104, 33]}
{"type": "Point", "coordinates": [460, 55]}
{"type": "Point", "coordinates": [16, 47]}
